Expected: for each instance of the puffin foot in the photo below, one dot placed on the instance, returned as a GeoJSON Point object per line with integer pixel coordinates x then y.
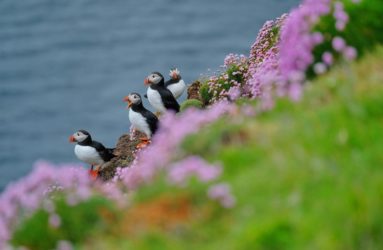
{"type": "Point", "coordinates": [93, 172]}
{"type": "Point", "coordinates": [144, 142]}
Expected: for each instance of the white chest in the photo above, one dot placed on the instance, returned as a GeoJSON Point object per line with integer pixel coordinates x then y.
{"type": "Point", "coordinates": [139, 122]}
{"type": "Point", "coordinates": [88, 154]}
{"type": "Point", "coordinates": [178, 88]}
{"type": "Point", "coordinates": [155, 100]}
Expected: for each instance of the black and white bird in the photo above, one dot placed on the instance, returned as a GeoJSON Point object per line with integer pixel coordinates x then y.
{"type": "Point", "coordinates": [158, 95]}
{"type": "Point", "coordinates": [142, 119]}
{"type": "Point", "coordinates": [176, 84]}
{"type": "Point", "coordinates": [90, 151]}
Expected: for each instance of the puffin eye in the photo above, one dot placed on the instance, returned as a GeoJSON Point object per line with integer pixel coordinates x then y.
{"type": "Point", "coordinates": [78, 134]}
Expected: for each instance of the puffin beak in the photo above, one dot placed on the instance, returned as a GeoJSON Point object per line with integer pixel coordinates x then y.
{"type": "Point", "coordinates": [147, 81]}
{"type": "Point", "coordinates": [127, 99]}
{"type": "Point", "coordinates": [72, 139]}
{"type": "Point", "coordinates": [174, 76]}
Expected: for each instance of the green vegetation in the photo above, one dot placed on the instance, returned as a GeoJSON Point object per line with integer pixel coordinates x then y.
{"type": "Point", "coordinates": [191, 103]}
{"type": "Point", "coordinates": [204, 93]}
{"type": "Point", "coordinates": [77, 223]}
{"type": "Point", "coordinates": [306, 175]}
{"type": "Point", "coordinates": [363, 32]}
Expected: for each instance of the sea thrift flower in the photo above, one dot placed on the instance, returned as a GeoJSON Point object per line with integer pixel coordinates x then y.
{"type": "Point", "coordinates": [234, 92]}
{"type": "Point", "coordinates": [328, 58]}
{"type": "Point", "coordinates": [295, 91]}
{"type": "Point", "coordinates": [350, 53]}
{"type": "Point", "coordinates": [222, 194]}
{"type": "Point", "coordinates": [227, 85]}
{"type": "Point", "coordinates": [341, 17]}
{"type": "Point", "coordinates": [297, 42]}
{"type": "Point", "coordinates": [64, 245]}
{"type": "Point", "coordinates": [320, 68]}
{"type": "Point", "coordinates": [54, 220]}
{"type": "Point", "coordinates": [193, 166]}
{"type": "Point", "coordinates": [264, 74]}
{"type": "Point", "coordinates": [34, 191]}
{"type": "Point", "coordinates": [338, 44]}
{"type": "Point", "coordinates": [234, 59]}
{"type": "Point", "coordinates": [248, 110]}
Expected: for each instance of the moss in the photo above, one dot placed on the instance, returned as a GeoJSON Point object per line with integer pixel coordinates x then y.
{"type": "Point", "coordinates": [205, 93]}
{"type": "Point", "coordinates": [191, 103]}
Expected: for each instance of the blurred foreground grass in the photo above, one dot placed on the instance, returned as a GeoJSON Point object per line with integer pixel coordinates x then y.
{"type": "Point", "coordinates": [306, 175]}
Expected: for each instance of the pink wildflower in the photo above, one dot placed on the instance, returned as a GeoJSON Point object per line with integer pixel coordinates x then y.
{"type": "Point", "coordinates": [54, 220]}
{"type": "Point", "coordinates": [222, 194]}
{"type": "Point", "coordinates": [338, 44]}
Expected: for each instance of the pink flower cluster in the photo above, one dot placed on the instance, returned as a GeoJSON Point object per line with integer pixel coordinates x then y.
{"type": "Point", "coordinates": [35, 191]}
{"type": "Point", "coordinates": [228, 84]}
{"type": "Point", "coordinates": [264, 63]}
{"type": "Point", "coordinates": [340, 46]}
{"type": "Point", "coordinates": [341, 17]}
{"type": "Point", "coordinates": [222, 193]}
{"type": "Point", "coordinates": [192, 166]}
{"type": "Point", "coordinates": [165, 144]}
{"type": "Point", "coordinates": [234, 59]}
{"type": "Point", "coordinates": [283, 51]}
{"type": "Point", "coordinates": [298, 41]}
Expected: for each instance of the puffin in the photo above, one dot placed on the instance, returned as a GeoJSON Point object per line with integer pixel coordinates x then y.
{"type": "Point", "coordinates": [142, 119]}
{"type": "Point", "coordinates": [158, 95]}
{"type": "Point", "coordinates": [90, 151]}
{"type": "Point", "coordinates": [176, 84]}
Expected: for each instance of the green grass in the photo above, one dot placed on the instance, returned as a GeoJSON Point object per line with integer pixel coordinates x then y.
{"type": "Point", "coordinates": [191, 103]}
{"type": "Point", "coordinates": [309, 174]}
{"type": "Point", "coordinates": [306, 175]}
{"type": "Point", "coordinates": [78, 223]}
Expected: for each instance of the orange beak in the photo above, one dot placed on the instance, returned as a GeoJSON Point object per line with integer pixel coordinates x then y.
{"type": "Point", "coordinates": [72, 139]}
{"type": "Point", "coordinates": [147, 81]}
{"type": "Point", "coordinates": [126, 99]}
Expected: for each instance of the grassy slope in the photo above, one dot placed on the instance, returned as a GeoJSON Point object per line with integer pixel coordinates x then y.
{"type": "Point", "coordinates": [306, 175]}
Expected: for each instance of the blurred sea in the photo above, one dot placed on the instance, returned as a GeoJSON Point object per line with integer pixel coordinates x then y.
{"type": "Point", "coordinates": [67, 64]}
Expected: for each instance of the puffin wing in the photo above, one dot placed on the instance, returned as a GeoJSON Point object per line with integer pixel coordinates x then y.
{"type": "Point", "coordinates": [169, 100]}
{"type": "Point", "coordinates": [152, 120]}
{"type": "Point", "coordinates": [170, 82]}
{"type": "Point", "coordinates": [105, 153]}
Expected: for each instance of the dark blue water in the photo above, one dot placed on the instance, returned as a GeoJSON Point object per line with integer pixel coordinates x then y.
{"type": "Point", "coordinates": [67, 64]}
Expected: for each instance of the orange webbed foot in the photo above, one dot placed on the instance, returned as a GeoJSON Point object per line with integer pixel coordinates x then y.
{"type": "Point", "coordinates": [144, 142]}
{"type": "Point", "coordinates": [93, 172]}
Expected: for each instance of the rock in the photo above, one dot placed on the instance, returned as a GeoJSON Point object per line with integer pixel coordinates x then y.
{"type": "Point", "coordinates": [193, 91]}
{"type": "Point", "coordinates": [124, 152]}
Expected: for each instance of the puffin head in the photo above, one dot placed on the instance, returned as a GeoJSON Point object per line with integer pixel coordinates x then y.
{"type": "Point", "coordinates": [154, 78]}
{"type": "Point", "coordinates": [132, 99]}
{"type": "Point", "coordinates": [79, 136]}
{"type": "Point", "coordinates": [175, 74]}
